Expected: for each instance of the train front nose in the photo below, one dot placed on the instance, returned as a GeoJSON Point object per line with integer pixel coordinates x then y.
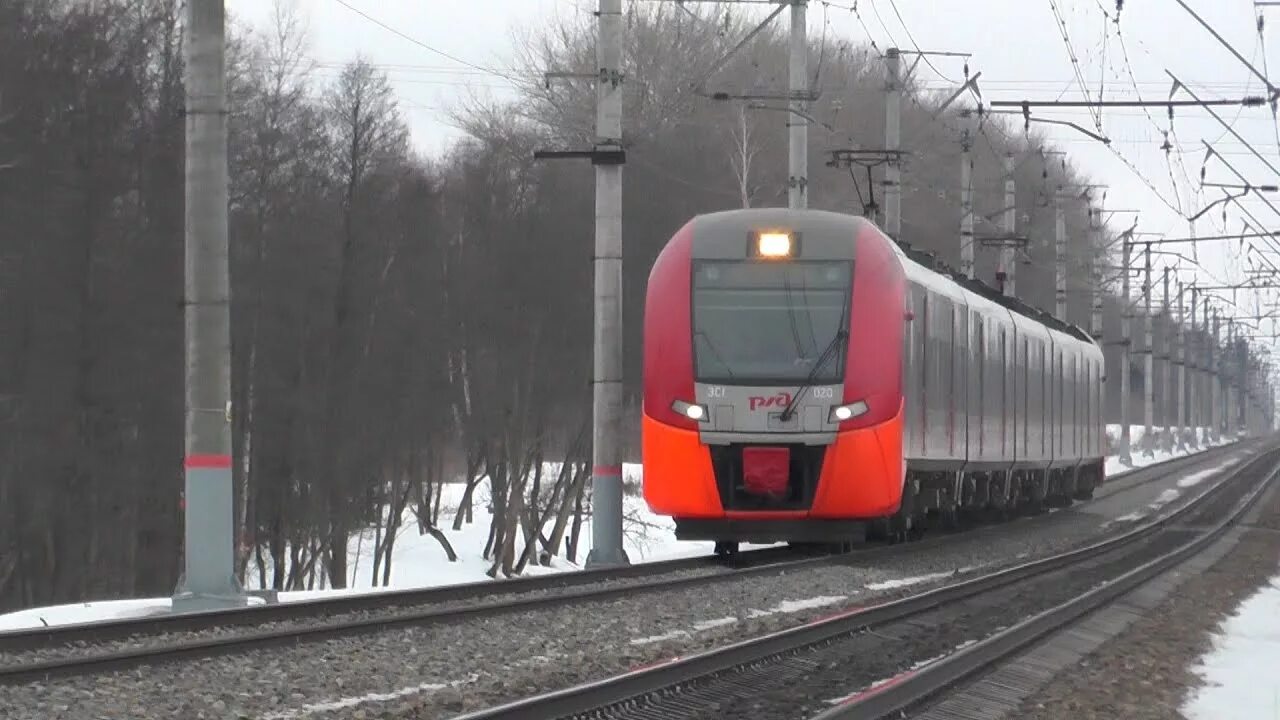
{"type": "Point", "coordinates": [753, 478]}
{"type": "Point", "coordinates": [754, 448]}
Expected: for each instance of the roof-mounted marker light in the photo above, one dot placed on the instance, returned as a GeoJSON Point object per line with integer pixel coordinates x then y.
{"type": "Point", "coordinates": [774, 244]}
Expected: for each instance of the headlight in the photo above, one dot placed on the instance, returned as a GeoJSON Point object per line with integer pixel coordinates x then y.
{"type": "Point", "coordinates": [840, 413]}
{"type": "Point", "coordinates": [690, 410]}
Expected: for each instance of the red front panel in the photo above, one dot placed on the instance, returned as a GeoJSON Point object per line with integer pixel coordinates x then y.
{"type": "Point", "coordinates": [861, 474]}
{"type": "Point", "coordinates": [766, 470]}
{"type": "Point", "coordinates": [668, 333]}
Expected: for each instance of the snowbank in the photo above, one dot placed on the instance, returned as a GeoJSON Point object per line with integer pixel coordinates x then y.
{"type": "Point", "coordinates": [1139, 457]}
{"type": "Point", "coordinates": [1242, 673]}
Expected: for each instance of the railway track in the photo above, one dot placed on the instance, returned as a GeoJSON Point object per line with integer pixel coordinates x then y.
{"type": "Point", "coordinates": [908, 649]}
{"type": "Point", "coordinates": [79, 656]}
{"type": "Point", "coordinates": [922, 687]}
{"type": "Point", "coordinates": [101, 647]}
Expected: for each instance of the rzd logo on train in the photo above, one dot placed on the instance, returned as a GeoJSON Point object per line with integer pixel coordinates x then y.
{"type": "Point", "coordinates": [780, 400]}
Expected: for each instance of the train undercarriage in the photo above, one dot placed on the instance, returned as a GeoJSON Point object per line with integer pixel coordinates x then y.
{"type": "Point", "coordinates": [950, 501]}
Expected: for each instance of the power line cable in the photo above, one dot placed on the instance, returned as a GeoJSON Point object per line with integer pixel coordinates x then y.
{"type": "Point", "coordinates": [888, 34]}
{"type": "Point", "coordinates": [419, 43]}
{"type": "Point", "coordinates": [853, 10]}
{"type": "Point", "coordinates": [893, 4]}
{"type": "Point", "coordinates": [1275, 119]}
{"type": "Point", "coordinates": [1075, 62]}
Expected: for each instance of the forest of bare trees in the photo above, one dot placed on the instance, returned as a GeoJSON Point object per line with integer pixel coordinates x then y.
{"type": "Point", "coordinates": [399, 321]}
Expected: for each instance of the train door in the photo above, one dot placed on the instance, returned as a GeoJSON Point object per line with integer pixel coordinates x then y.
{"type": "Point", "coordinates": [1006, 402]}
{"type": "Point", "coordinates": [1046, 400]}
{"type": "Point", "coordinates": [1073, 402]}
{"type": "Point", "coordinates": [947, 359]}
{"type": "Point", "coordinates": [927, 389]}
{"type": "Point", "coordinates": [912, 355]}
{"type": "Point", "coordinates": [1059, 411]}
{"type": "Point", "coordinates": [980, 362]}
{"type": "Point", "coordinates": [961, 374]}
{"type": "Point", "coordinates": [1024, 410]}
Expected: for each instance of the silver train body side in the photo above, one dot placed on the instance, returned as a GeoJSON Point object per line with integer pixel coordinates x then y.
{"type": "Point", "coordinates": [1003, 404]}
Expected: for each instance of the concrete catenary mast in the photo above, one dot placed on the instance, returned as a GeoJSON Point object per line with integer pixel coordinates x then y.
{"type": "Point", "coordinates": [606, 460]}
{"type": "Point", "coordinates": [1126, 351]}
{"type": "Point", "coordinates": [797, 121]}
{"type": "Point", "coordinates": [209, 579]}
{"type": "Point", "coordinates": [1007, 265]}
{"type": "Point", "coordinates": [892, 141]}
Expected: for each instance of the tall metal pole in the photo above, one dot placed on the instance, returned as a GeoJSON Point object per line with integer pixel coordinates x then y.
{"type": "Point", "coordinates": [1229, 379]}
{"type": "Point", "coordinates": [1095, 246]}
{"type": "Point", "coordinates": [1206, 374]}
{"type": "Point", "coordinates": [1059, 259]}
{"type": "Point", "coordinates": [966, 206]}
{"type": "Point", "coordinates": [1215, 379]}
{"type": "Point", "coordinates": [1191, 356]}
{"type": "Point", "coordinates": [797, 124]}
{"type": "Point", "coordinates": [1206, 377]}
{"type": "Point", "coordinates": [1126, 353]}
{"type": "Point", "coordinates": [606, 472]}
{"type": "Point", "coordinates": [1149, 381]}
{"type": "Point", "coordinates": [892, 139]}
{"type": "Point", "coordinates": [1008, 268]}
{"type": "Point", "coordinates": [1244, 380]}
{"type": "Point", "coordinates": [1166, 368]}
{"type": "Point", "coordinates": [209, 579]}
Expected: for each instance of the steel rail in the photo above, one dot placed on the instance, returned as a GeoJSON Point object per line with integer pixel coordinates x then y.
{"type": "Point", "coordinates": [622, 690]}
{"type": "Point", "coordinates": [169, 651]}
{"type": "Point", "coordinates": [935, 678]}
{"type": "Point", "coordinates": [108, 630]}
{"type": "Point", "coordinates": [125, 658]}
{"type": "Point", "coordinates": [421, 601]}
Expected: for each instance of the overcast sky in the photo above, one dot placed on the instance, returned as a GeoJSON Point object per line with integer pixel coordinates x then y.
{"type": "Point", "coordinates": [1016, 44]}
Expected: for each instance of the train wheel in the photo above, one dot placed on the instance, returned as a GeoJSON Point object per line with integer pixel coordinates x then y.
{"type": "Point", "coordinates": [949, 519]}
{"type": "Point", "coordinates": [903, 522]}
{"type": "Point", "coordinates": [726, 548]}
{"type": "Point", "coordinates": [1033, 505]}
{"type": "Point", "coordinates": [878, 530]}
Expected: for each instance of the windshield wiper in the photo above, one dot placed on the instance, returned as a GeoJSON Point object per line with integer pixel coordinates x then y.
{"type": "Point", "coordinates": [808, 381]}
{"type": "Point", "coordinates": [712, 347]}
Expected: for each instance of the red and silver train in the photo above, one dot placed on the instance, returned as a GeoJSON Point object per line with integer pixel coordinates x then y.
{"type": "Point", "coordinates": [807, 380]}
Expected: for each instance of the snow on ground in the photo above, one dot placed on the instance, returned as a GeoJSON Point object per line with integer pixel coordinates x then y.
{"type": "Point", "coordinates": [1242, 673]}
{"type": "Point", "coordinates": [1140, 458]}
{"type": "Point", "coordinates": [419, 561]}
{"type": "Point", "coordinates": [785, 607]}
{"type": "Point", "coordinates": [83, 612]}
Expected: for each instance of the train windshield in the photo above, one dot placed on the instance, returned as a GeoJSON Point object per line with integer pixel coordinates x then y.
{"type": "Point", "coordinates": [768, 323]}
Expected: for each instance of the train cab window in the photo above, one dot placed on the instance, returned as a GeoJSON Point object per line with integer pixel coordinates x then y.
{"type": "Point", "coordinates": [770, 323]}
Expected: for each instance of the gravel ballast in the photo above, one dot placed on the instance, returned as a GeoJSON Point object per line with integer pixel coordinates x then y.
{"type": "Point", "coordinates": [1146, 672]}
{"type": "Point", "coordinates": [852, 663]}
{"type": "Point", "coordinates": [444, 670]}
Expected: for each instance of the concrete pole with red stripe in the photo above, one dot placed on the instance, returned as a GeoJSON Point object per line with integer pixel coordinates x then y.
{"type": "Point", "coordinates": [606, 451]}
{"type": "Point", "coordinates": [209, 579]}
